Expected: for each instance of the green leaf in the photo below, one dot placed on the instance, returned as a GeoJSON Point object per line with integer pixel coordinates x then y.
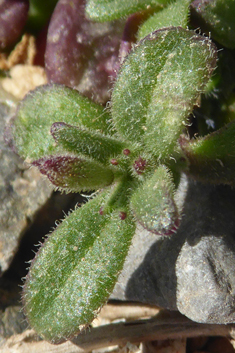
{"type": "Point", "coordinates": [74, 173]}
{"type": "Point", "coordinates": [175, 14]}
{"type": "Point", "coordinates": [75, 271]}
{"type": "Point", "coordinates": [108, 10]}
{"type": "Point", "coordinates": [80, 140]}
{"type": "Point", "coordinates": [153, 203]}
{"type": "Point", "coordinates": [212, 158]}
{"type": "Point", "coordinates": [46, 105]}
{"type": "Point", "coordinates": [158, 86]}
{"type": "Point", "coordinates": [120, 195]}
{"type": "Point", "coordinates": [217, 16]}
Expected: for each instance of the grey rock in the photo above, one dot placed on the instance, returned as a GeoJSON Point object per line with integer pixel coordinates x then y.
{"type": "Point", "coordinates": [194, 270]}
{"type": "Point", "coordinates": [22, 192]}
{"type": "Point", "coordinates": [205, 266]}
{"type": "Point", "coordinates": [206, 280]}
{"type": "Point", "coordinates": [12, 321]}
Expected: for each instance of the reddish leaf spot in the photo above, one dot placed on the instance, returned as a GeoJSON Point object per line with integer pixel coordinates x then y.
{"type": "Point", "coordinates": [59, 169]}
{"type": "Point", "coordinates": [173, 230]}
{"type": "Point", "coordinates": [55, 127]}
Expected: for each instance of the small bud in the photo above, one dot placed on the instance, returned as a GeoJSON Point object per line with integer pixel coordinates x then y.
{"type": "Point", "coordinates": [113, 161]}
{"type": "Point", "coordinates": [126, 152]}
{"type": "Point", "coordinates": [122, 215]}
{"type": "Point", "coordinates": [140, 165]}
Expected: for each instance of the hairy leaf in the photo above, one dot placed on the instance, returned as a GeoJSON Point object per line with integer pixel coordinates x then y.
{"type": "Point", "coordinates": [45, 105]}
{"type": "Point", "coordinates": [217, 16]}
{"type": "Point", "coordinates": [211, 158]}
{"type": "Point", "coordinates": [153, 203]}
{"type": "Point", "coordinates": [120, 195]}
{"type": "Point", "coordinates": [158, 86]}
{"type": "Point", "coordinates": [91, 143]}
{"type": "Point", "coordinates": [75, 173]}
{"type": "Point", "coordinates": [175, 14]}
{"type": "Point", "coordinates": [107, 10]}
{"type": "Point", "coordinates": [75, 271]}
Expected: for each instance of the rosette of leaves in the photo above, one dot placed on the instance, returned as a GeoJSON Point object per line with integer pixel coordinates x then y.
{"type": "Point", "coordinates": [124, 154]}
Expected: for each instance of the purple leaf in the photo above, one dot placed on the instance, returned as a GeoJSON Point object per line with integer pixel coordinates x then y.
{"type": "Point", "coordinates": [79, 53]}
{"type": "Point", "coordinates": [13, 16]}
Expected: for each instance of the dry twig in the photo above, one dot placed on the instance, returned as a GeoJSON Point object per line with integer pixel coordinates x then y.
{"type": "Point", "coordinates": [163, 326]}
